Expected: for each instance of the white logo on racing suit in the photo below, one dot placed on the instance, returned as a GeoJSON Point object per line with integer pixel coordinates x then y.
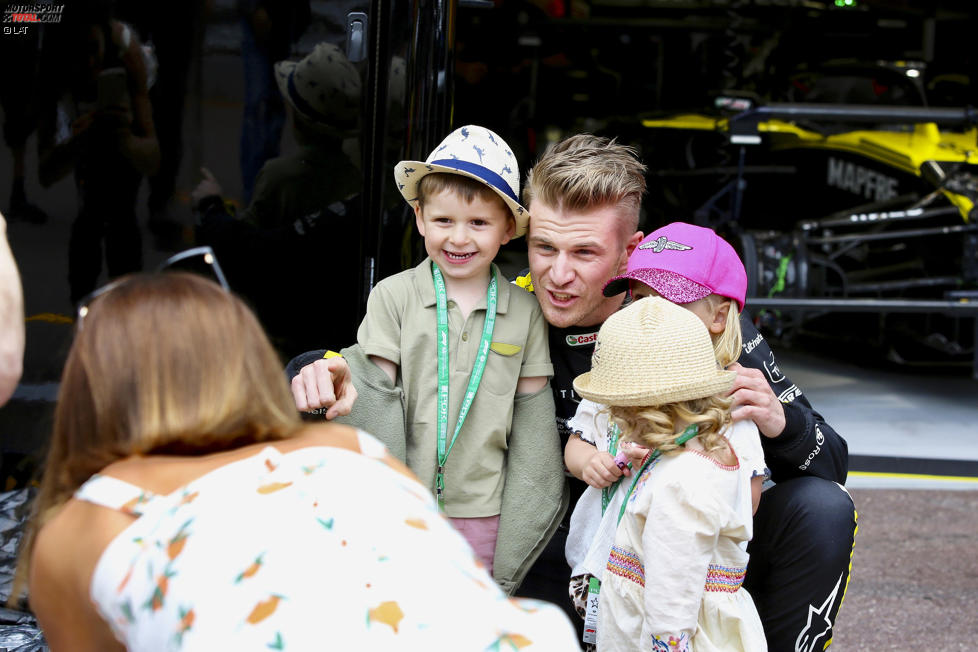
{"type": "Point", "coordinates": [790, 394]}
{"type": "Point", "coordinates": [808, 637]}
{"type": "Point", "coordinates": [750, 346]}
{"type": "Point", "coordinates": [772, 369]}
{"type": "Point", "coordinates": [819, 440]}
{"type": "Point", "coordinates": [861, 181]}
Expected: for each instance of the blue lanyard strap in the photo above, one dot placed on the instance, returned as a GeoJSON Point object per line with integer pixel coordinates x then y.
{"type": "Point", "coordinates": [441, 301]}
{"type": "Point", "coordinates": [690, 432]}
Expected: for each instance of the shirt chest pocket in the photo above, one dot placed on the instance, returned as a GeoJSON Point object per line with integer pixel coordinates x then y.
{"type": "Point", "coordinates": [503, 368]}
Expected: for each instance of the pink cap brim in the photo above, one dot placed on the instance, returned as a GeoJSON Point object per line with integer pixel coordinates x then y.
{"type": "Point", "coordinates": [672, 286]}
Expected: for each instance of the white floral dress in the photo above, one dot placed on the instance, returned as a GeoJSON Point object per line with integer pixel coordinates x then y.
{"type": "Point", "coordinates": [325, 547]}
{"type": "Point", "coordinates": [673, 576]}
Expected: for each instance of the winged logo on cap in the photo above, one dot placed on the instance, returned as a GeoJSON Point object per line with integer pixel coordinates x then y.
{"type": "Point", "coordinates": [408, 171]}
{"type": "Point", "coordinates": [662, 242]}
{"type": "Point", "coordinates": [465, 133]}
{"type": "Point", "coordinates": [479, 151]}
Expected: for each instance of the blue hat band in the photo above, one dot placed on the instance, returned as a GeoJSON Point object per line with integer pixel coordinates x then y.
{"type": "Point", "coordinates": [481, 172]}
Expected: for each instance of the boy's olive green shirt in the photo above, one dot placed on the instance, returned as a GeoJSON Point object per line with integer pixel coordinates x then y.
{"type": "Point", "coordinates": [400, 326]}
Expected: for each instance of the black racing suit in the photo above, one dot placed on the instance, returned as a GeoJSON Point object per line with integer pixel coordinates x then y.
{"type": "Point", "coordinates": [803, 529]}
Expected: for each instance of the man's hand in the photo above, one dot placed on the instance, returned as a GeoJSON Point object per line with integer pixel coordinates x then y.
{"type": "Point", "coordinates": [326, 383]}
{"type": "Point", "coordinates": [754, 400]}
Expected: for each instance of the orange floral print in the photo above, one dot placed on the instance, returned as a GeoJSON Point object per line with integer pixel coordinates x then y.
{"type": "Point", "coordinates": [512, 641]}
{"type": "Point", "coordinates": [131, 505]}
{"type": "Point", "coordinates": [179, 540]}
{"type": "Point", "coordinates": [272, 487]}
{"type": "Point", "coordinates": [264, 609]}
{"type": "Point", "coordinates": [388, 613]}
{"type": "Point", "coordinates": [251, 570]}
{"type": "Point", "coordinates": [155, 601]}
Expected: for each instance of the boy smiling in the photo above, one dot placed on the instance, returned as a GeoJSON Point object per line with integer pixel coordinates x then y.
{"type": "Point", "coordinates": [468, 350]}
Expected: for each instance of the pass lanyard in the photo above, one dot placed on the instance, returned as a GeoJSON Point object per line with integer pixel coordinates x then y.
{"type": "Point", "coordinates": [687, 434]}
{"type": "Point", "coordinates": [441, 301]}
{"type": "Point", "coordinates": [609, 492]}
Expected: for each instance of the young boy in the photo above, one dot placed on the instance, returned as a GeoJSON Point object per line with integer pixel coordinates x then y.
{"type": "Point", "coordinates": [466, 347]}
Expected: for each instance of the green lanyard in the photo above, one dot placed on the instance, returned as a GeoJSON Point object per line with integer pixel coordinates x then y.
{"type": "Point", "coordinates": [687, 434]}
{"type": "Point", "coordinates": [609, 492]}
{"type": "Point", "coordinates": [441, 300]}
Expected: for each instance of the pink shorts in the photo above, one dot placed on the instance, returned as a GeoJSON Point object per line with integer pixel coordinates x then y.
{"type": "Point", "coordinates": [481, 533]}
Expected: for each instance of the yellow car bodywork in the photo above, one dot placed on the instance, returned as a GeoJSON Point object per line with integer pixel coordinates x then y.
{"type": "Point", "coordinates": [903, 150]}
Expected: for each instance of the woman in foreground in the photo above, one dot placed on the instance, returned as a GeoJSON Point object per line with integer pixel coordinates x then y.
{"type": "Point", "coordinates": [184, 506]}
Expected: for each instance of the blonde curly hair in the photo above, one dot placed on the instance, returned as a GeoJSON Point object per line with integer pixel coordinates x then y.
{"type": "Point", "coordinates": [656, 427]}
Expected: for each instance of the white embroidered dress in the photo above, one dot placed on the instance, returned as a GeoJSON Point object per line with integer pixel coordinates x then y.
{"type": "Point", "coordinates": [673, 576]}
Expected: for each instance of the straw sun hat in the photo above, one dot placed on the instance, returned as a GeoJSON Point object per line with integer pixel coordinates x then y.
{"type": "Point", "coordinates": [474, 152]}
{"type": "Point", "coordinates": [652, 352]}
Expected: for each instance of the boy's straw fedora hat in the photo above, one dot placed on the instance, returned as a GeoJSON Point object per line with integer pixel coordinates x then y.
{"type": "Point", "coordinates": [651, 353]}
{"type": "Point", "coordinates": [474, 152]}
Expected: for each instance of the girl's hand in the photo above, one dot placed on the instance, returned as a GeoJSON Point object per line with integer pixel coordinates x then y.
{"type": "Point", "coordinates": [635, 453]}
{"type": "Point", "coordinates": [600, 471]}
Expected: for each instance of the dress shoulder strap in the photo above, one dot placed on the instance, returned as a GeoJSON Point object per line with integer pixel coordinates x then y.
{"type": "Point", "coordinates": [115, 494]}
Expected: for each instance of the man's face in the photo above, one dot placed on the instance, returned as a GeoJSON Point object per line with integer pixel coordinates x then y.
{"type": "Point", "coordinates": [572, 254]}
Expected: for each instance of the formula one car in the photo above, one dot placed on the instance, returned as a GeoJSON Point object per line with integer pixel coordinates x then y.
{"type": "Point", "coordinates": [839, 209]}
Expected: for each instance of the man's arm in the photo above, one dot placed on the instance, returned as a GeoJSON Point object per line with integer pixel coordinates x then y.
{"type": "Point", "coordinates": [796, 439]}
{"type": "Point", "coordinates": [11, 319]}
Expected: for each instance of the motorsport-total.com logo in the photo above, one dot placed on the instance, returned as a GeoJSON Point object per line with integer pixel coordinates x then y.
{"type": "Point", "coordinates": [18, 17]}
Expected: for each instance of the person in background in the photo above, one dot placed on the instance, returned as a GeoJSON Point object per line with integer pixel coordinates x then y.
{"type": "Point", "coordinates": [268, 30]}
{"type": "Point", "coordinates": [304, 203]}
{"type": "Point", "coordinates": [184, 505]}
{"type": "Point", "coordinates": [96, 121]}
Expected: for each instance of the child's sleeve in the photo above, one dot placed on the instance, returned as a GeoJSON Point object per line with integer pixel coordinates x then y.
{"type": "Point", "coordinates": [590, 424]}
{"type": "Point", "coordinates": [746, 442]}
{"type": "Point", "coordinates": [380, 331]}
{"type": "Point", "coordinates": [678, 541]}
{"type": "Point", "coordinates": [536, 351]}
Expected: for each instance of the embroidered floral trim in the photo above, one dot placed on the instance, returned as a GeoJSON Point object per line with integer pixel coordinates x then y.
{"type": "Point", "coordinates": [671, 644]}
{"type": "Point", "coordinates": [627, 564]}
{"type": "Point", "coordinates": [643, 479]}
{"type": "Point", "coordinates": [725, 467]}
{"type": "Point", "coordinates": [724, 579]}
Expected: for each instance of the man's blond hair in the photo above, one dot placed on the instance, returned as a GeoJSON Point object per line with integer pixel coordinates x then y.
{"type": "Point", "coordinates": [586, 171]}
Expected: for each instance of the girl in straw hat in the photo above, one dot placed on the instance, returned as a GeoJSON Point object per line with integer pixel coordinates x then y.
{"type": "Point", "coordinates": [672, 579]}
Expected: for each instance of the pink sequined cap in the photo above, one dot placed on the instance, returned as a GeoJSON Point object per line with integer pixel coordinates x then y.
{"type": "Point", "coordinates": [684, 263]}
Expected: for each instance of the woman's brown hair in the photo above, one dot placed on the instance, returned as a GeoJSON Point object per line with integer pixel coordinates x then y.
{"type": "Point", "coordinates": [165, 363]}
